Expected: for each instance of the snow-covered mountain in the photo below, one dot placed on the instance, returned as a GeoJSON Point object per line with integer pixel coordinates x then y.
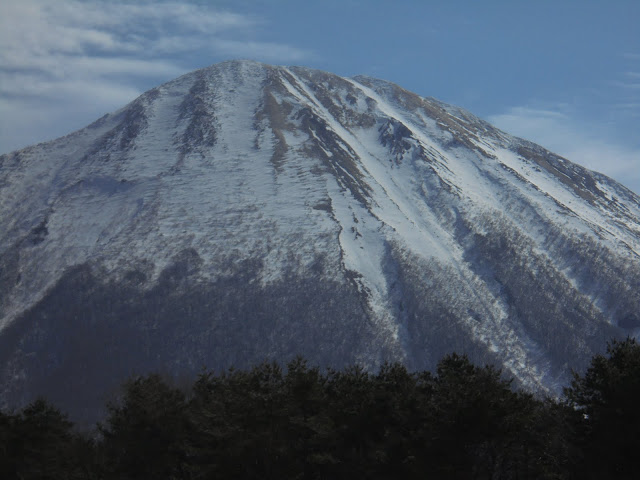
{"type": "Point", "coordinates": [247, 211]}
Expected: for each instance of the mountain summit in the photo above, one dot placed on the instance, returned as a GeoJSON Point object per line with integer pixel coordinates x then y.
{"type": "Point", "coordinates": [245, 212]}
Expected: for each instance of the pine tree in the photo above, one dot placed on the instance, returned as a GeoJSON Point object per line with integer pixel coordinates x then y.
{"type": "Point", "coordinates": [607, 396]}
{"type": "Point", "coordinates": [144, 435]}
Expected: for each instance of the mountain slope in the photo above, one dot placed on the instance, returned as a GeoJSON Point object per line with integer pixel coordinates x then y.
{"type": "Point", "coordinates": [246, 211]}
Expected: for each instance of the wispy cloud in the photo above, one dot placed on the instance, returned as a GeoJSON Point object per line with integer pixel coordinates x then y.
{"type": "Point", "coordinates": [561, 133]}
{"type": "Point", "coordinates": [631, 55]}
{"type": "Point", "coordinates": [104, 53]}
{"type": "Point", "coordinates": [631, 85]}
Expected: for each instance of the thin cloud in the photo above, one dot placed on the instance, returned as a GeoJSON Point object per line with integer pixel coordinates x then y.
{"type": "Point", "coordinates": [266, 51]}
{"type": "Point", "coordinates": [561, 133]}
{"type": "Point", "coordinates": [95, 53]}
{"type": "Point", "coordinates": [29, 120]}
{"type": "Point", "coordinates": [631, 85]}
{"type": "Point", "coordinates": [628, 105]}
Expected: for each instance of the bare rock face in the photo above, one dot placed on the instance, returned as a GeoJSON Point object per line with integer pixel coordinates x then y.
{"type": "Point", "coordinates": [246, 212]}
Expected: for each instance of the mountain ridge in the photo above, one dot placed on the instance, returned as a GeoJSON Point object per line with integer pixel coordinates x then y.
{"type": "Point", "coordinates": [249, 195]}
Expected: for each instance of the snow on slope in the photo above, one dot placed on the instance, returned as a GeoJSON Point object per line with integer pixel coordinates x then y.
{"type": "Point", "coordinates": [248, 161]}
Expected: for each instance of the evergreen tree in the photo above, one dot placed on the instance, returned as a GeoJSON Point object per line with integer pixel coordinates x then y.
{"type": "Point", "coordinates": [607, 396]}
{"type": "Point", "coordinates": [145, 434]}
{"type": "Point", "coordinates": [39, 443]}
{"type": "Point", "coordinates": [463, 422]}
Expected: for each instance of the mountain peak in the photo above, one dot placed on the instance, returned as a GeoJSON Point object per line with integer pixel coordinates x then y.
{"type": "Point", "coordinates": [246, 211]}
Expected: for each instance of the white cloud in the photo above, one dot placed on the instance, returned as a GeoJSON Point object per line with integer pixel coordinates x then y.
{"type": "Point", "coordinates": [101, 53]}
{"type": "Point", "coordinates": [25, 121]}
{"type": "Point", "coordinates": [631, 56]}
{"type": "Point", "coordinates": [632, 85]}
{"type": "Point", "coordinates": [584, 144]}
{"type": "Point", "coordinates": [633, 107]}
{"type": "Point", "coordinates": [266, 51]}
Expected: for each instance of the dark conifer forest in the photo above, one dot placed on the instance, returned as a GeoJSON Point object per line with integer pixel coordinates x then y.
{"type": "Point", "coordinates": [292, 422]}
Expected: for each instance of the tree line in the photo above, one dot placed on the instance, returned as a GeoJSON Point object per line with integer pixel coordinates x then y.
{"type": "Point", "coordinates": [299, 422]}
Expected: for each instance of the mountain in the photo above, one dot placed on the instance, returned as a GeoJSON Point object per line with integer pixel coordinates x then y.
{"type": "Point", "coordinates": [245, 212]}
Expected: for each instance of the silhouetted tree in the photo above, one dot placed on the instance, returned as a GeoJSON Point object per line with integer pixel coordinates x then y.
{"type": "Point", "coordinates": [269, 422]}
{"type": "Point", "coordinates": [607, 396]}
{"type": "Point", "coordinates": [39, 443]}
{"type": "Point", "coordinates": [144, 435]}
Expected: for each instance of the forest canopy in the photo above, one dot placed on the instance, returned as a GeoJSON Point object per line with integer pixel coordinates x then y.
{"type": "Point", "coordinates": [460, 422]}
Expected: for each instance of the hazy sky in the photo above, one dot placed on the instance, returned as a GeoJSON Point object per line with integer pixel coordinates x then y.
{"type": "Point", "coordinates": [565, 74]}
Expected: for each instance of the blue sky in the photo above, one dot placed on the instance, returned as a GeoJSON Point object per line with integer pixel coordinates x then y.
{"type": "Point", "coordinates": [565, 74]}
